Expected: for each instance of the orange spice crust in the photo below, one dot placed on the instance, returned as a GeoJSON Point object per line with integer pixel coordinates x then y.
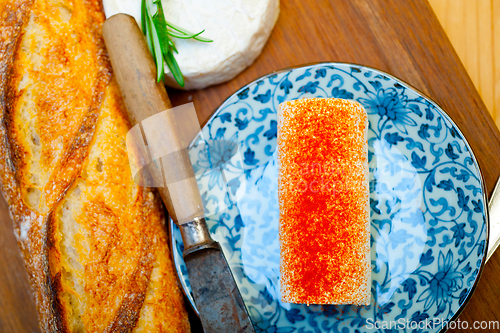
{"type": "Point", "coordinates": [323, 198]}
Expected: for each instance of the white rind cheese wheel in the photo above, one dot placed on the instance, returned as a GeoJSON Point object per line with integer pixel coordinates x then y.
{"type": "Point", "coordinates": [239, 30]}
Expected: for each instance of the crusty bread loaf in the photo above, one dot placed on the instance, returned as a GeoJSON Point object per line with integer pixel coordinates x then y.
{"type": "Point", "coordinates": [93, 241]}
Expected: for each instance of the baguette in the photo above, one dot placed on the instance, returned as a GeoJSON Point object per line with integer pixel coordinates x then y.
{"type": "Point", "coordinates": [94, 242]}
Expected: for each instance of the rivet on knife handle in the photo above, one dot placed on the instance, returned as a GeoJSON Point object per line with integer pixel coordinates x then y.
{"type": "Point", "coordinates": [217, 297]}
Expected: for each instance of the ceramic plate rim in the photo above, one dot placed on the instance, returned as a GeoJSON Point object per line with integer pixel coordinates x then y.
{"type": "Point", "coordinates": [403, 83]}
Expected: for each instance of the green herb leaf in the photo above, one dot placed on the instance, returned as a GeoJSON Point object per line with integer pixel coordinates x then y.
{"type": "Point", "coordinates": [174, 67]}
{"type": "Point", "coordinates": [172, 45]}
{"type": "Point", "coordinates": [158, 54]}
{"type": "Point", "coordinates": [182, 36]}
{"type": "Point", "coordinates": [155, 27]}
{"type": "Point", "coordinates": [187, 33]}
{"type": "Point", "coordinates": [161, 24]}
{"type": "Point", "coordinates": [147, 32]}
{"type": "Point", "coordinates": [143, 16]}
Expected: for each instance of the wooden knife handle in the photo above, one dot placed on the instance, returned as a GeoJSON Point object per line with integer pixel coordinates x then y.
{"type": "Point", "coordinates": [135, 71]}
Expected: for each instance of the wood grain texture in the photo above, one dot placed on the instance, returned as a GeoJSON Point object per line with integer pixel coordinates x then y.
{"type": "Point", "coordinates": [403, 38]}
{"type": "Point", "coordinates": [496, 37]}
{"type": "Point", "coordinates": [473, 28]}
{"type": "Point", "coordinates": [474, 31]}
{"type": "Point", "coordinates": [17, 309]}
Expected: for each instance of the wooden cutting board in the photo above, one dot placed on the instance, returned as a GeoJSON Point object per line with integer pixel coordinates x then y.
{"type": "Point", "coordinates": [473, 28]}
{"type": "Point", "coordinates": [403, 38]}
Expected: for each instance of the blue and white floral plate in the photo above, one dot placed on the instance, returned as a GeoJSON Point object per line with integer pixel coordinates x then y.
{"type": "Point", "coordinates": [429, 220]}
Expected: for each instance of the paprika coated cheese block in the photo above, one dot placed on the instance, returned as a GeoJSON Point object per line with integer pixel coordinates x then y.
{"type": "Point", "coordinates": [324, 202]}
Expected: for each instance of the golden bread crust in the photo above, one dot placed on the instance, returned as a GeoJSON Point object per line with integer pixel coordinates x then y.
{"type": "Point", "coordinates": [94, 242]}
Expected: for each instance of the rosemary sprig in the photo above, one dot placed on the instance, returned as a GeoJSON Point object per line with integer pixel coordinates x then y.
{"type": "Point", "coordinates": [158, 32]}
{"type": "Point", "coordinates": [185, 32]}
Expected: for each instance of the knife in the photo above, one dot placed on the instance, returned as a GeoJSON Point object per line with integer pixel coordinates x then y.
{"type": "Point", "coordinates": [494, 210]}
{"type": "Point", "coordinates": [216, 295]}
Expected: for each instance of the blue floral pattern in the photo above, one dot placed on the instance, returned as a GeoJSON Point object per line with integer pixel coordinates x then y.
{"type": "Point", "coordinates": [427, 201]}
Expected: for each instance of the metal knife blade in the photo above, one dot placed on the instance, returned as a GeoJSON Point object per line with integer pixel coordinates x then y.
{"type": "Point", "coordinates": [494, 208]}
{"type": "Point", "coordinates": [215, 290]}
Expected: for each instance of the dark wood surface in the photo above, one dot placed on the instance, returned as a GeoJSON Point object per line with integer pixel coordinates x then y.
{"type": "Point", "coordinates": [403, 38]}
